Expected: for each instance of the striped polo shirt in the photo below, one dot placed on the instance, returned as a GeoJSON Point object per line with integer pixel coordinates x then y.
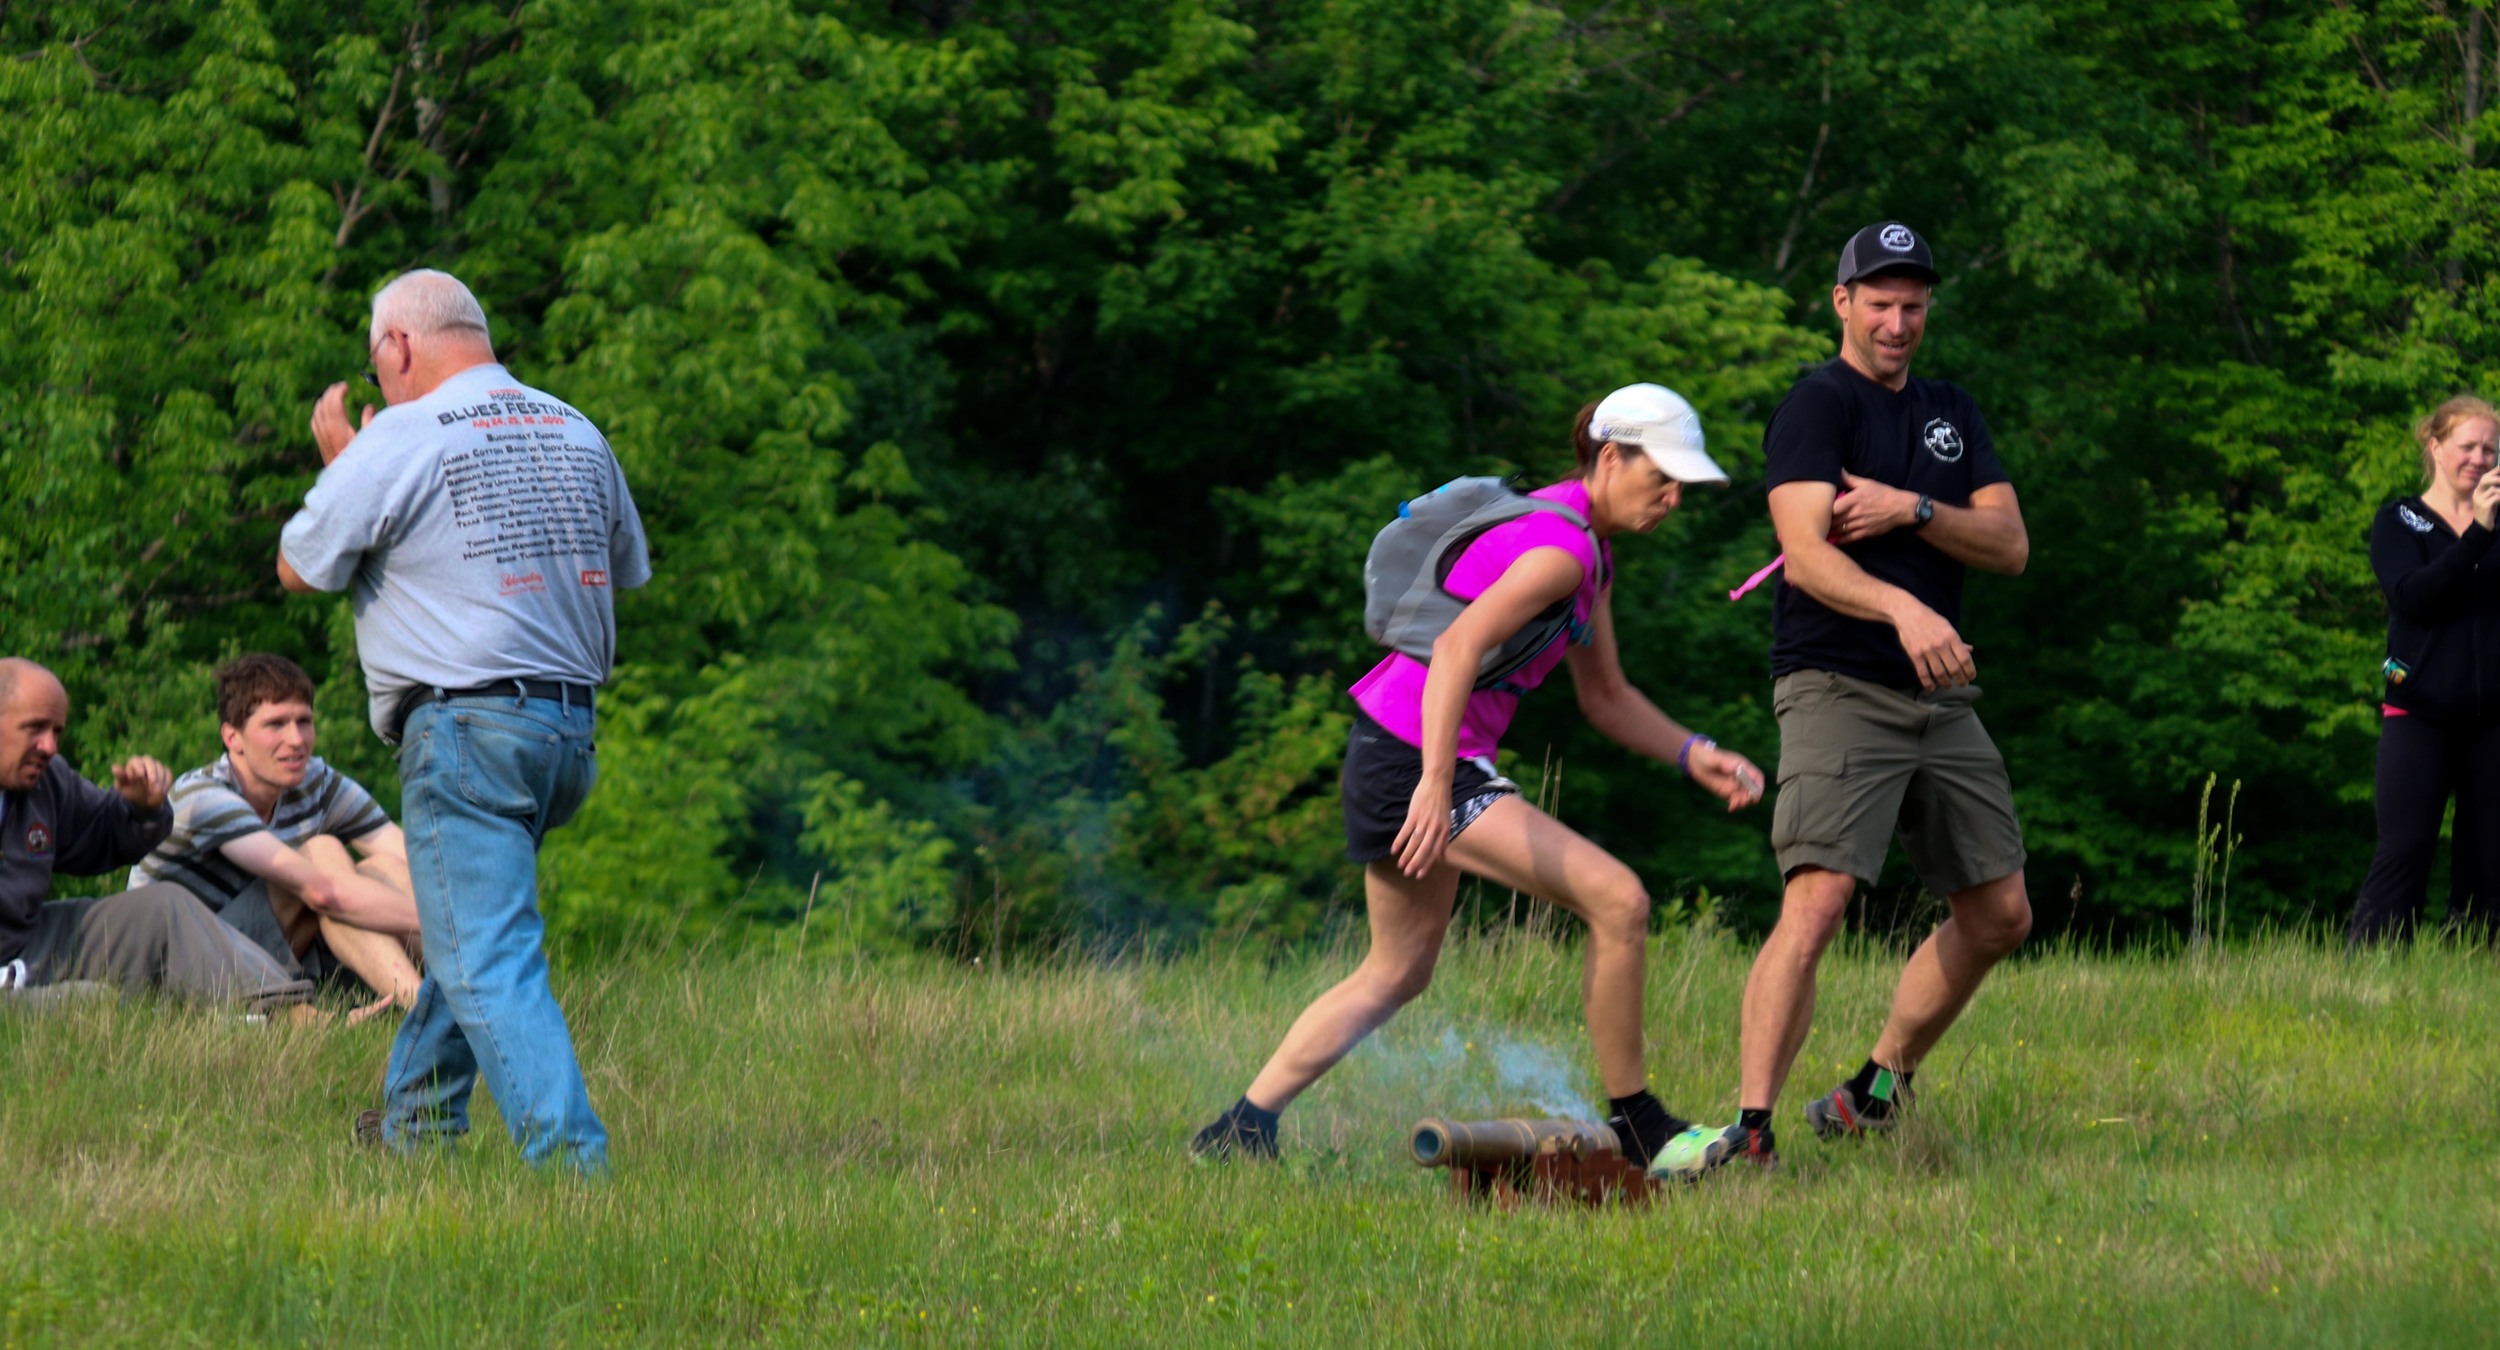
{"type": "Point", "coordinates": [209, 813]}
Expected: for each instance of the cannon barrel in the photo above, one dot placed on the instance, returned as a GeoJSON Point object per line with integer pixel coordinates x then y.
{"type": "Point", "coordinates": [1479, 1143]}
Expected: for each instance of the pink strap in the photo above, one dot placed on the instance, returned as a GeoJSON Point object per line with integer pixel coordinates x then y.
{"type": "Point", "coordinates": [1757, 578]}
{"type": "Point", "coordinates": [1765, 574]}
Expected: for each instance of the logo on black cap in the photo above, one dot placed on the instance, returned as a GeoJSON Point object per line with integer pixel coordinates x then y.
{"type": "Point", "coordinates": [1885, 246]}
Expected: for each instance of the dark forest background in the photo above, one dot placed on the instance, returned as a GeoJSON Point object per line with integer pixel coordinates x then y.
{"type": "Point", "coordinates": [1011, 390]}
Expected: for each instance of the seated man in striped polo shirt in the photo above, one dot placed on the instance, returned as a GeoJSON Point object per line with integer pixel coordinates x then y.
{"type": "Point", "coordinates": [262, 837]}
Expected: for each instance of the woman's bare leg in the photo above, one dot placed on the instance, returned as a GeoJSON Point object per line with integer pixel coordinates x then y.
{"type": "Point", "coordinates": [1408, 920]}
{"type": "Point", "coordinates": [1514, 844]}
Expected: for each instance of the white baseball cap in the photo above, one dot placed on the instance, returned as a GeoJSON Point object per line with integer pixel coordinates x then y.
{"type": "Point", "coordinates": [1663, 425]}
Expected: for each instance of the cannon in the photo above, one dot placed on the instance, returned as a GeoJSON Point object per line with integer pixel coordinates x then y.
{"type": "Point", "coordinates": [1550, 1161]}
{"type": "Point", "coordinates": [1483, 1143]}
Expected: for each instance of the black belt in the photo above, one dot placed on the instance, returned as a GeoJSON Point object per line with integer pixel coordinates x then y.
{"type": "Point", "coordinates": [555, 690]}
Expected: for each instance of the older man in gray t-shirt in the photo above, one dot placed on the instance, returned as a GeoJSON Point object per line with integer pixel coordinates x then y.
{"type": "Point", "coordinates": [483, 528]}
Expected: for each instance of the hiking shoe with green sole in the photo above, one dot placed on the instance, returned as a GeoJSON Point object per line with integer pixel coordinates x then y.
{"type": "Point", "coordinates": [1842, 1111]}
{"type": "Point", "coordinates": [1703, 1149]}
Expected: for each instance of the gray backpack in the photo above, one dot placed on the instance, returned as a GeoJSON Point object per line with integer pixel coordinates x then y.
{"type": "Point", "coordinates": [1406, 601]}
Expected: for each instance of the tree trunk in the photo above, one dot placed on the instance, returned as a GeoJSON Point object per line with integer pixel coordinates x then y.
{"type": "Point", "coordinates": [2453, 271]}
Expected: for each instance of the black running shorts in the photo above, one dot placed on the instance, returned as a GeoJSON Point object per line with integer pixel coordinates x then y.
{"type": "Point", "coordinates": [1381, 772]}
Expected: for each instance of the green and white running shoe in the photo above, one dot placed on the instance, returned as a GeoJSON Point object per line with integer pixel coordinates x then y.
{"type": "Point", "coordinates": [1705, 1149]}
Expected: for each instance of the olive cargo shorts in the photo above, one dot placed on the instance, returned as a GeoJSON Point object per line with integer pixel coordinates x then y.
{"type": "Point", "coordinates": [1858, 758]}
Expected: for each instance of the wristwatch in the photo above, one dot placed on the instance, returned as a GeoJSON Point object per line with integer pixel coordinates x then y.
{"type": "Point", "coordinates": [1926, 512]}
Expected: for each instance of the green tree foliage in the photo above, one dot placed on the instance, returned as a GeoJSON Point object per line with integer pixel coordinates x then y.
{"type": "Point", "coordinates": [1011, 391]}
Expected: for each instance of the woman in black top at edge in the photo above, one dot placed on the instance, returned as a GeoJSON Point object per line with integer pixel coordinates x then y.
{"type": "Point", "coordinates": [2440, 734]}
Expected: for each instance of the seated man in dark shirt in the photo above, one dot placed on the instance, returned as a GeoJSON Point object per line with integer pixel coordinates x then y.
{"type": "Point", "coordinates": [52, 819]}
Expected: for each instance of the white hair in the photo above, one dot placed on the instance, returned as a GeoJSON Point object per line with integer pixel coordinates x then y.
{"type": "Point", "coordinates": [426, 301]}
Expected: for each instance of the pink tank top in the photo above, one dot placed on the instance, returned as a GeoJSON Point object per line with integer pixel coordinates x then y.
{"type": "Point", "coordinates": [1393, 692]}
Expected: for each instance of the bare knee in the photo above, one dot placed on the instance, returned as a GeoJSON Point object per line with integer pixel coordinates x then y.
{"type": "Point", "coordinates": [1996, 917]}
{"type": "Point", "coordinates": [1997, 935]}
{"type": "Point", "coordinates": [1616, 908]}
{"type": "Point", "coordinates": [327, 853]}
{"type": "Point", "coordinates": [1812, 910]}
{"type": "Point", "coordinates": [387, 872]}
{"type": "Point", "coordinates": [1621, 913]}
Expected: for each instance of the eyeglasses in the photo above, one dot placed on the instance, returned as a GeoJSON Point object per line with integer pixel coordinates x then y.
{"type": "Point", "coordinates": [372, 375]}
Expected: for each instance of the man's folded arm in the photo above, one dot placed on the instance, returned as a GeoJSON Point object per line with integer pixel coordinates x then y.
{"type": "Point", "coordinates": [1987, 534]}
{"type": "Point", "coordinates": [1801, 513]}
{"type": "Point", "coordinates": [366, 904]}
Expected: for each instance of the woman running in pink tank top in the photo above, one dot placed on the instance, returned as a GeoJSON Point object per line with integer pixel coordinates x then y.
{"type": "Point", "coordinates": [1423, 804]}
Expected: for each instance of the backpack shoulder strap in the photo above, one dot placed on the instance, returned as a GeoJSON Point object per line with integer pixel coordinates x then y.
{"type": "Point", "coordinates": [1597, 546]}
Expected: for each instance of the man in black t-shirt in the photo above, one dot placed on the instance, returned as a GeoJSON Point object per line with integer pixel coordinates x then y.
{"type": "Point", "coordinates": [1884, 488]}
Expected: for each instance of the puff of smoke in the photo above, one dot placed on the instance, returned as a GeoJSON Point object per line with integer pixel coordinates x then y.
{"type": "Point", "coordinates": [1450, 1072]}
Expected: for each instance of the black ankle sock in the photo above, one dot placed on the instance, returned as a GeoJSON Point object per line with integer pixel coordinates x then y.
{"type": "Point", "coordinates": [1873, 1084]}
{"type": "Point", "coordinates": [1754, 1117]}
{"type": "Point", "coordinates": [1244, 1130]}
{"type": "Point", "coordinates": [1254, 1117]}
{"type": "Point", "coordinates": [1644, 1125]}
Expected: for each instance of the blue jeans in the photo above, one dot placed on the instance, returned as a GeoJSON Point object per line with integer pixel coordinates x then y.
{"type": "Point", "coordinates": [482, 781]}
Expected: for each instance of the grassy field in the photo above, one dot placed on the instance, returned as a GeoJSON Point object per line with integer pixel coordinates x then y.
{"type": "Point", "coordinates": [2278, 1146]}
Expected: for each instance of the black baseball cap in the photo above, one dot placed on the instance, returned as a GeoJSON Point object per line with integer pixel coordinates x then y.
{"type": "Point", "coordinates": [1887, 246]}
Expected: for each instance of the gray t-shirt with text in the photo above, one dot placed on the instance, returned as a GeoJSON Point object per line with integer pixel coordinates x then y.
{"type": "Point", "coordinates": [484, 529]}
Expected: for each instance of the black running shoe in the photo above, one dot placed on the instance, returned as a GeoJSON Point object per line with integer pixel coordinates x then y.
{"type": "Point", "coordinates": [1231, 1136]}
{"type": "Point", "coordinates": [369, 1128]}
{"type": "Point", "coordinates": [1843, 1111]}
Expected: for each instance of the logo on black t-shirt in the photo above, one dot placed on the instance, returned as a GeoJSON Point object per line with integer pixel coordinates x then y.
{"type": "Point", "coordinates": [2412, 521]}
{"type": "Point", "coordinates": [1944, 440]}
{"type": "Point", "coordinates": [38, 839]}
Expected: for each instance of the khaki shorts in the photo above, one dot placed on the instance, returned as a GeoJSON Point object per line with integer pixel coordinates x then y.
{"type": "Point", "coordinates": [1857, 759]}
